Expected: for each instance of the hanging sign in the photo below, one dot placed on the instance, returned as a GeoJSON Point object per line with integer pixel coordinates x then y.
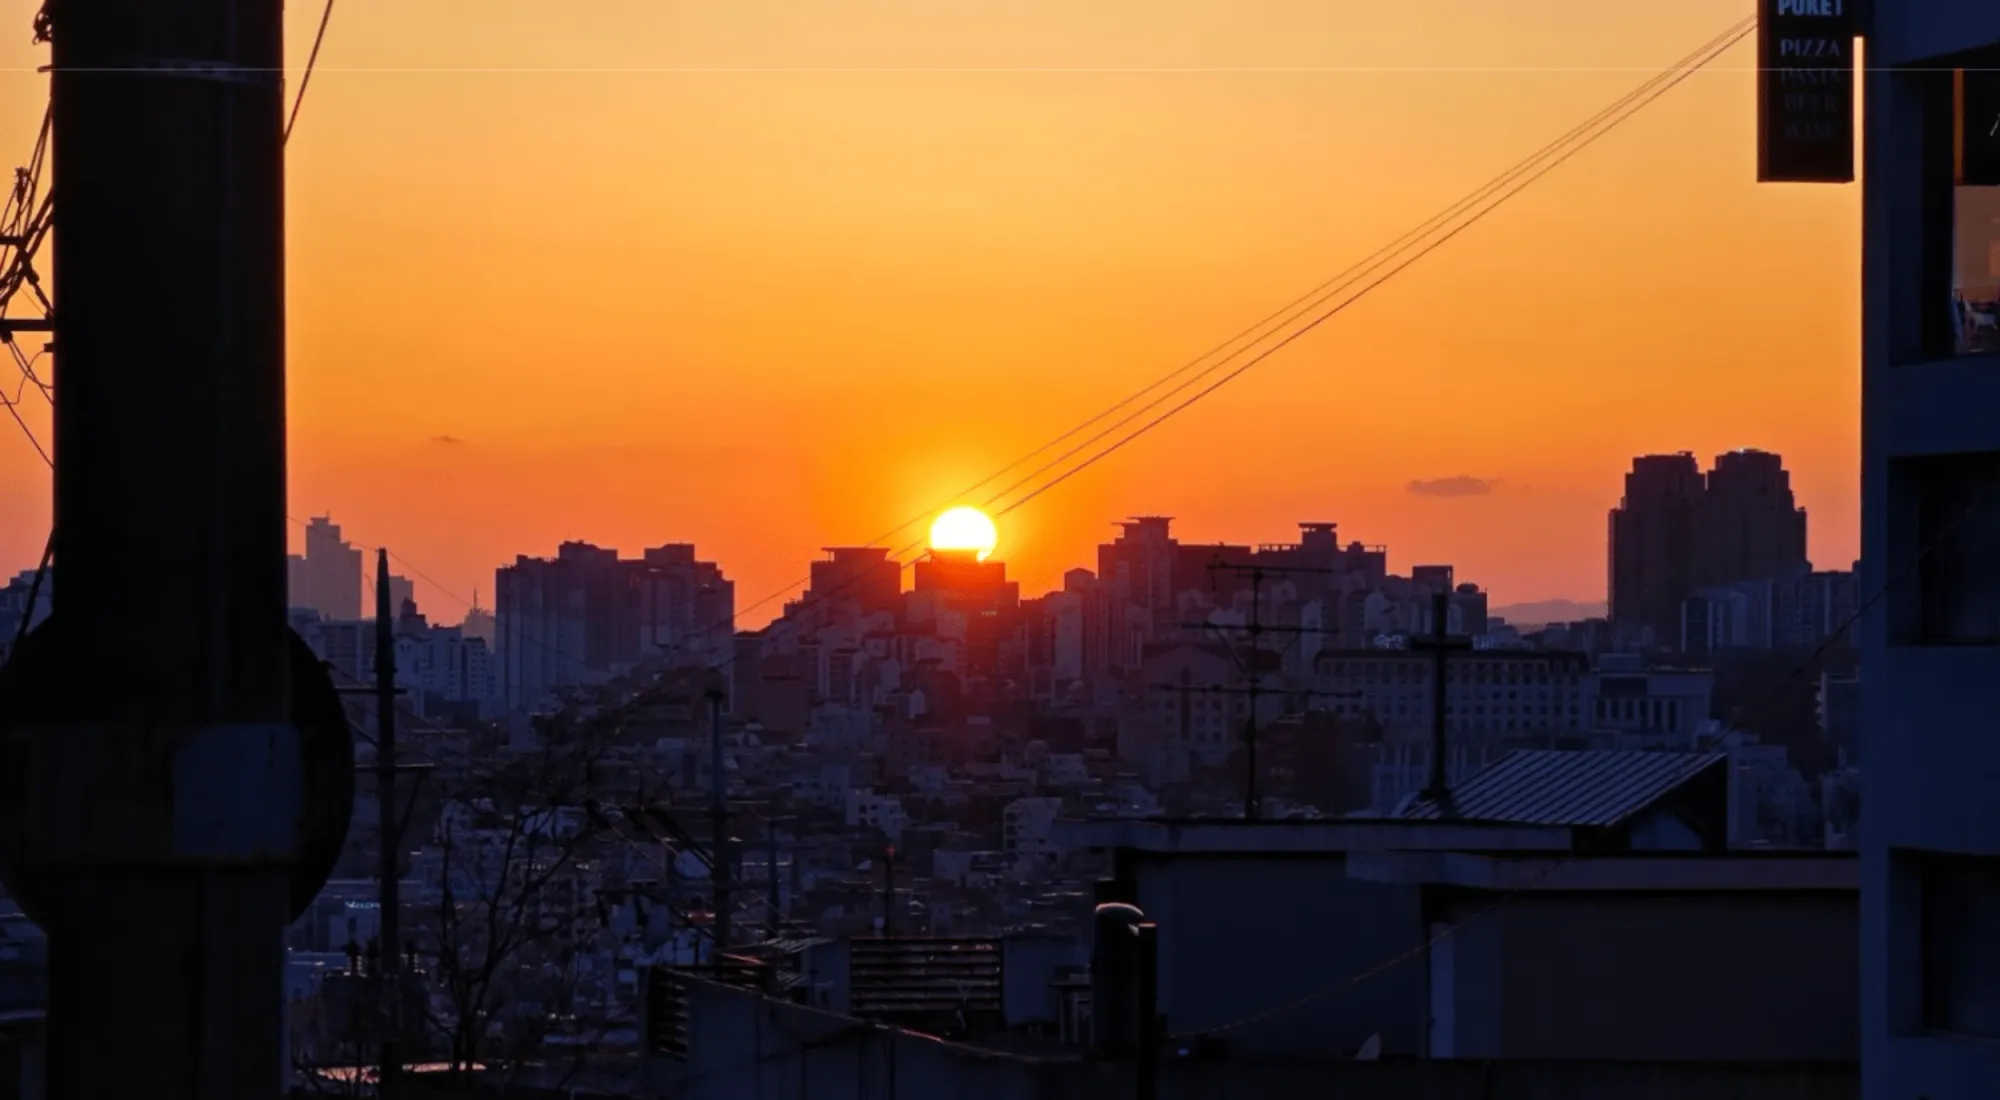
{"type": "Point", "coordinates": [1805, 91]}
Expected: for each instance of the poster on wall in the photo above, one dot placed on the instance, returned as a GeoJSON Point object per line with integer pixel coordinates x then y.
{"type": "Point", "coordinates": [1805, 91]}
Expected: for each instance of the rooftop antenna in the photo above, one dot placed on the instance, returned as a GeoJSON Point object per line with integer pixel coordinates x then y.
{"type": "Point", "coordinates": [1441, 644]}
{"type": "Point", "coordinates": [1256, 628]}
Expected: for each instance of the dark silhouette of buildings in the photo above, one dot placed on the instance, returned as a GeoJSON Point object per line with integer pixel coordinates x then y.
{"type": "Point", "coordinates": [1652, 542]}
{"type": "Point", "coordinates": [863, 575]}
{"type": "Point", "coordinates": [561, 620]}
{"type": "Point", "coordinates": [1747, 526]}
{"type": "Point", "coordinates": [1678, 531]}
{"type": "Point", "coordinates": [327, 577]}
{"type": "Point", "coordinates": [957, 583]}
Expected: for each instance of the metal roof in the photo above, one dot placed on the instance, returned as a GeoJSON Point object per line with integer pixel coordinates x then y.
{"type": "Point", "coordinates": [1571, 788]}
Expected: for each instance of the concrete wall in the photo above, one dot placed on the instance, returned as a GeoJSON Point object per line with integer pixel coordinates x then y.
{"type": "Point", "coordinates": [1927, 710]}
{"type": "Point", "coordinates": [746, 1047]}
{"type": "Point", "coordinates": [1240, 937]}
{"type": "Point", "coordinates": [1722, 977]}
{"type": "Point", "coordinates": [1028, 970]}
{"type": "Point", "coordinates": [750, 1048]}
{"type": "Point", "coordinates": [1911, 30]}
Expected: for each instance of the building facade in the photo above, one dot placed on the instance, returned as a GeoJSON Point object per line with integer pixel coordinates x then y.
{"type": "Point", "coordinates": [583, 614]}
{"type": "Point", "coordinates": [327, 577]}
{"type": "Point", "coordinates": [1748, 525]}
{"type": "Point", "coordinates": [1930, 983]}
{"type": "Point", "coordinates": [1678, 532]}
{"type": "Point", "coordinates": [1652, 542]}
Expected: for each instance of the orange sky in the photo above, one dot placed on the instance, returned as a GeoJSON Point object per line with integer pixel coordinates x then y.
{"type": "Point", "coordinates": [659, 284]}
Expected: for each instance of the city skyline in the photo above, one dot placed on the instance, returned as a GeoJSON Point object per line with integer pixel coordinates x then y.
{"type": "Point", "coordinates": [948, 529]}
{"type": "Point", "coordinates": [1682, 541]}
{"type": "Point", "coordinates": [655, 550]}
{"type": "Point", "coordinates": [847, 356]}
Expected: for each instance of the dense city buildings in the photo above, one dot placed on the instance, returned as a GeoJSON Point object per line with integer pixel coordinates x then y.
{"type": "Point", "coordinates": [1652, 542]}
{"type": "Point", "coordinates": [1747, 526]}
{"type": "Point", "coordinates": [864, 576]}
{"type": "Point", "coordinates": [908, 762]}
{"type": "Point", "coordinates": [1253, 818]}
{"type": "Point", "coordinates": [586, 613]}
{"type": "Point", "coordinates": [327, 577]}
{"type": "Point", "coordinates": [1679, 534]}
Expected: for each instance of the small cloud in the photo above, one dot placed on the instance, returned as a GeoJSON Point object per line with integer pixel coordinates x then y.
{"type": "Point", "coordinates": [447, 440]}
{"type": "Point", "coordinates": [1460, 486]}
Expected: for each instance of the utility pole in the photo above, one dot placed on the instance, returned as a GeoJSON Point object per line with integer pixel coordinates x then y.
{"type": "Point", "coordinates": [162, 827]}
{"type": "Point", "coordinates": [889, 890]}
{"type": "Point", "coordinates": [1253, 674]}
{"type": "Point", "coordinates": [671, 879]}
{"type": "Point", "coordinates": [389, 977]}
{"type": "Point", "coordinates": [1146, 1068]}
{"type": "Point", "coordinates": [718, 817]}
{"type": "Point", "coordinates": [773, 896]}
{"type": "Point", "coordinates": [1185, 689]}
{"type": "Point", "coordinates": [1441, 644]}
{"type": "Point", "coordinates": [1253, 805]}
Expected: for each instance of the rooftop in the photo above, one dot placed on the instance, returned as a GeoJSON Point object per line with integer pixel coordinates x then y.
{"type": "Point", "coordinates": [1571, 789]}
{"type": "Point", "coordinates": [1674, 872]}
{"type": "Point", "coordinates": [1235, 836]}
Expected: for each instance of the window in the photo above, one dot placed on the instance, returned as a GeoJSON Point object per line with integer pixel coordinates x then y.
{"type": "Point", "coordinates": [1976, 211]}
{"type": "Point", "coordinates": [1961, 208]}
{"type": "Point", "coordinates": [1956, 596]}
{"type": "Point", "coordinates": [1960, 933]}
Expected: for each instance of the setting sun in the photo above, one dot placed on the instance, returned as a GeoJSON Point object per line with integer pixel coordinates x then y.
{"type": "Point", "coordinates": [964, 528]}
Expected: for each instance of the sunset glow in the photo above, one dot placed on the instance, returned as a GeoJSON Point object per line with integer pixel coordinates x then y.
{"type": "Point", "coordinates": [866, 254]}
{"type": "Point", "coordinates": [965, 528]}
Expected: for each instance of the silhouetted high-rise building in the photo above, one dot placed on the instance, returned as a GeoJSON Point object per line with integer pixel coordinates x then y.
{"type": "Point", "coordinates": [1432, 578]}
{"type": "Point", "coordinates": [1678, 532]}
{"type": "Point", "coordinates": [1652, 543]}
{"type": "Point", "coordinates": [327, 578]}
{"type": "Point", "coordinates": [584, 612]}
{"type": "Point", "coordinates": [955, 583]}
{"type": "Point", "coordinates": [965, 583]}
{"type": "Point", "coordinates": [402, 590]}
{"type": "Point", "coordinates": [865, 576]}
{"type": "Point", "coordinates": [1145, 568]}
{"type": "Point", "coordinates": [479, 622]}
{"type": "Point", "coordinates": [1748, 526]}
{"type": "Point", "coordinates": [1138, 565]}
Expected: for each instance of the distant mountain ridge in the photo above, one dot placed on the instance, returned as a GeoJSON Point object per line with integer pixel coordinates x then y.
{"type": "Point", "coordinates": [1543, 612]}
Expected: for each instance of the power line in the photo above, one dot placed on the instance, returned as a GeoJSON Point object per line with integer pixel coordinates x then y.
{"type": "Point", "coordinates": [1727, 40]}
{"type": "Point", "coordinates": [1730, 40]}
{"type": "Point", "coordinates": [1735, 36]}
{"type": "Point", "coordinates": [1304, 304]}
{"type": "Point", "coordinates": [1316, 296]}
{"type": "Point", "coordinates": [26, 232]}
{"type": "Point", "coordinates": [1546, 157]}
{"type": "Point", "coordinates": [1364, 266]}
{"type": "Point", "coordinates": [14, 411]}
{"type": "Point", "coordinates": [1513, 181]}
{"type": "Point", "coordinates": [475, 770]}
{"type": "Point", "coordinates": [1290, 312]}
{"type": "Point", "coordinates": [312, 61]}
{"type": "Point", "coordinates": [1534, 168]}
{"type": "Point", "coordinates": [1742, 717]}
